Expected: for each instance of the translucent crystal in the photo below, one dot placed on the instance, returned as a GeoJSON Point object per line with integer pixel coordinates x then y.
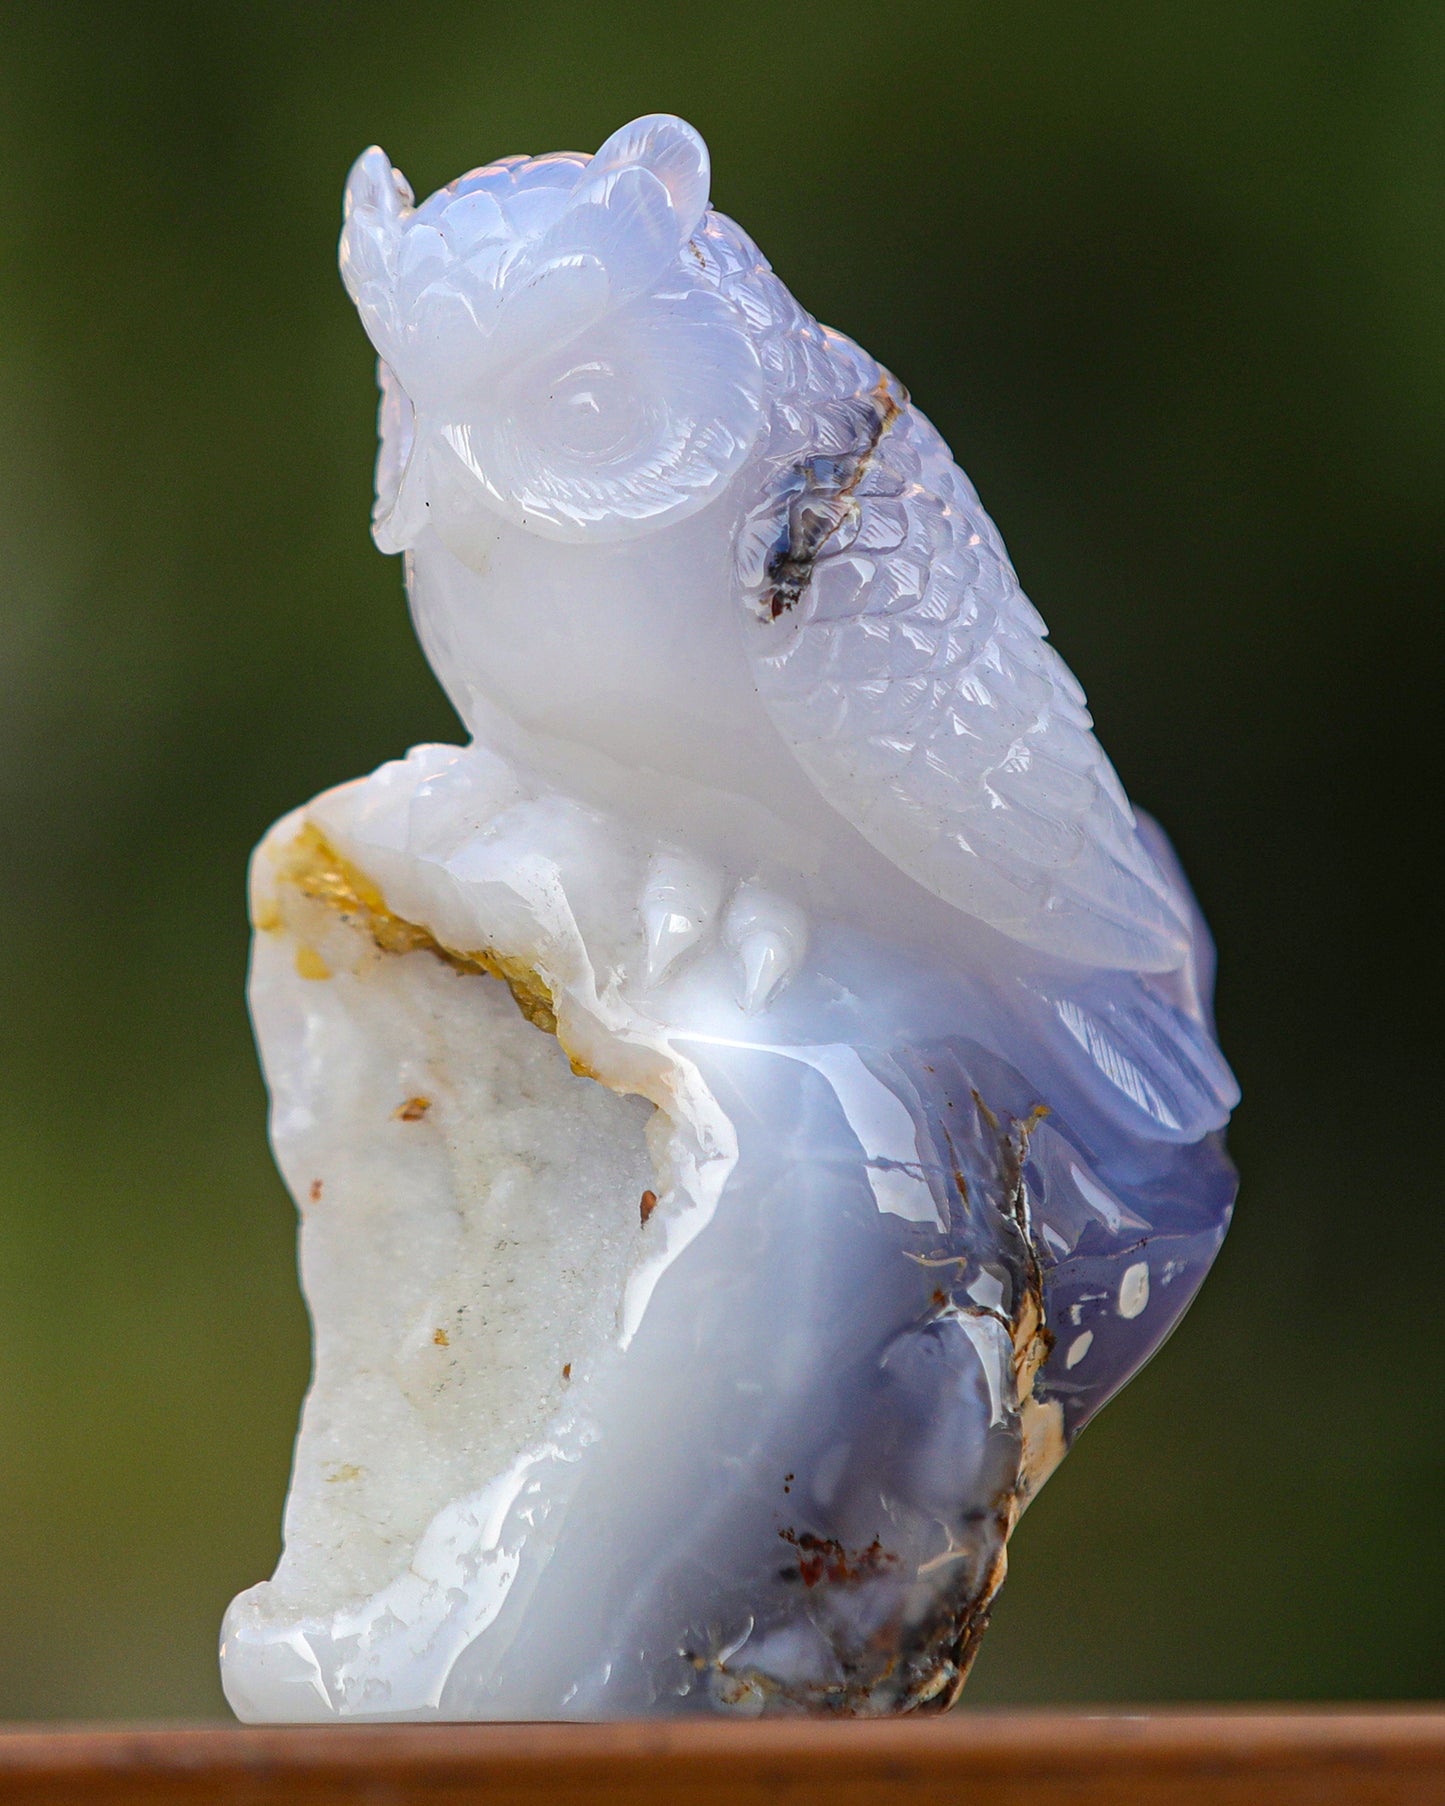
{"type": "Point", "coordinates": [752, 1105]}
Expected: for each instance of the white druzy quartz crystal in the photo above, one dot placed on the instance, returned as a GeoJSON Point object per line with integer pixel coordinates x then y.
{"type": "Point", "coordinates": [749, 1107]}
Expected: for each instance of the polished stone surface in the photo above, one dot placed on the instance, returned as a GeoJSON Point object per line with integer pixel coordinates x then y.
{"type": "Point", "coordinates": [751, 1106]}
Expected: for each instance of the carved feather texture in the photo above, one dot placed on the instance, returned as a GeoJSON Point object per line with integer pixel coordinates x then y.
{"type": "Point", "coordinates": [907, 670]}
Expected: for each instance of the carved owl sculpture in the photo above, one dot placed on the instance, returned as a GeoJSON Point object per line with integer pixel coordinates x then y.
{"type": "Point", "coordinates": [701, 1352]}
{"type": "Point", "coordinates": [581, 351]}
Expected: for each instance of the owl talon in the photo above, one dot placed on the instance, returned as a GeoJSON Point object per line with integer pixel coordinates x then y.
{"type": "Point", "coordinates": [767, 937]}
{"type": "Point", "coordinates": [680, 902]}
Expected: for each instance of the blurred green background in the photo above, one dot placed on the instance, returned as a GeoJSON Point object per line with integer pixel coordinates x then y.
{"type": "Point", "coordinates": [1170, 280]}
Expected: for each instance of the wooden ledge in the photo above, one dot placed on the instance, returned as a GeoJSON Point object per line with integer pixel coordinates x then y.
{"type": "Point", "coordinates": [1245, 1757]}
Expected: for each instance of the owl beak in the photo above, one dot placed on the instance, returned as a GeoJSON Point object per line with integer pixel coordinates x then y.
{"type": "Point", "coordinates": [399, 527]}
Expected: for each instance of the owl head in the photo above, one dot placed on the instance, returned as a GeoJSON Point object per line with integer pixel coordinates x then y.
{"type": "Point", "coordinates": [550, 353]}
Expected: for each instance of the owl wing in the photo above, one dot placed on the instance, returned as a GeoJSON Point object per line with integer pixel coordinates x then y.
{"type": "Point", "coordinates": [902, 663]}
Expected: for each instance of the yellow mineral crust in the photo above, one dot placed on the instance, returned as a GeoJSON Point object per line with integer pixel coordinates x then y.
{"type": "Point", "coordinates": [312, 867]}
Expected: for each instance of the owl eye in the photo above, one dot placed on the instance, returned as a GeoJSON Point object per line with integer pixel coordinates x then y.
{"type": "Point", "coordinates": [593, 415]}
{"type": "Point", "coordinates": [638, 423]}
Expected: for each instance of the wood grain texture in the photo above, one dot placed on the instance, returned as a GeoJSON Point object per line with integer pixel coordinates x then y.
{"type": "Point", "coordinates": [1390, 1757]}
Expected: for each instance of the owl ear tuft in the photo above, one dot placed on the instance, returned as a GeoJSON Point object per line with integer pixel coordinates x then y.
{"type": "Point", "coordinates": [635, 205]}
{"type": "Point", "coordinates": [669, 149]}
{"type": "Point", "coordinates": [376, 188]}
{"type": "Point", "coordinates": [376, 202]}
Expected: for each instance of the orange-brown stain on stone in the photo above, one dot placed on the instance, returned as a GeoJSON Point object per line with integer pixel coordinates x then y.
{"type": "Point", "coordinates": [441, 1338]}
{"type": "Point", "coordinates": [649, 1204]}
{"type": "Point", "coordinates": [822, 1558]}
{"type": "Point", "coordinates": [315, 1191]}
{"type": "Point", "coordinates": [309, 963]}
{"type": "Point", "coordinates": [319, 872]}
{"type": "Point", "coordinates": [413, 1110]}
